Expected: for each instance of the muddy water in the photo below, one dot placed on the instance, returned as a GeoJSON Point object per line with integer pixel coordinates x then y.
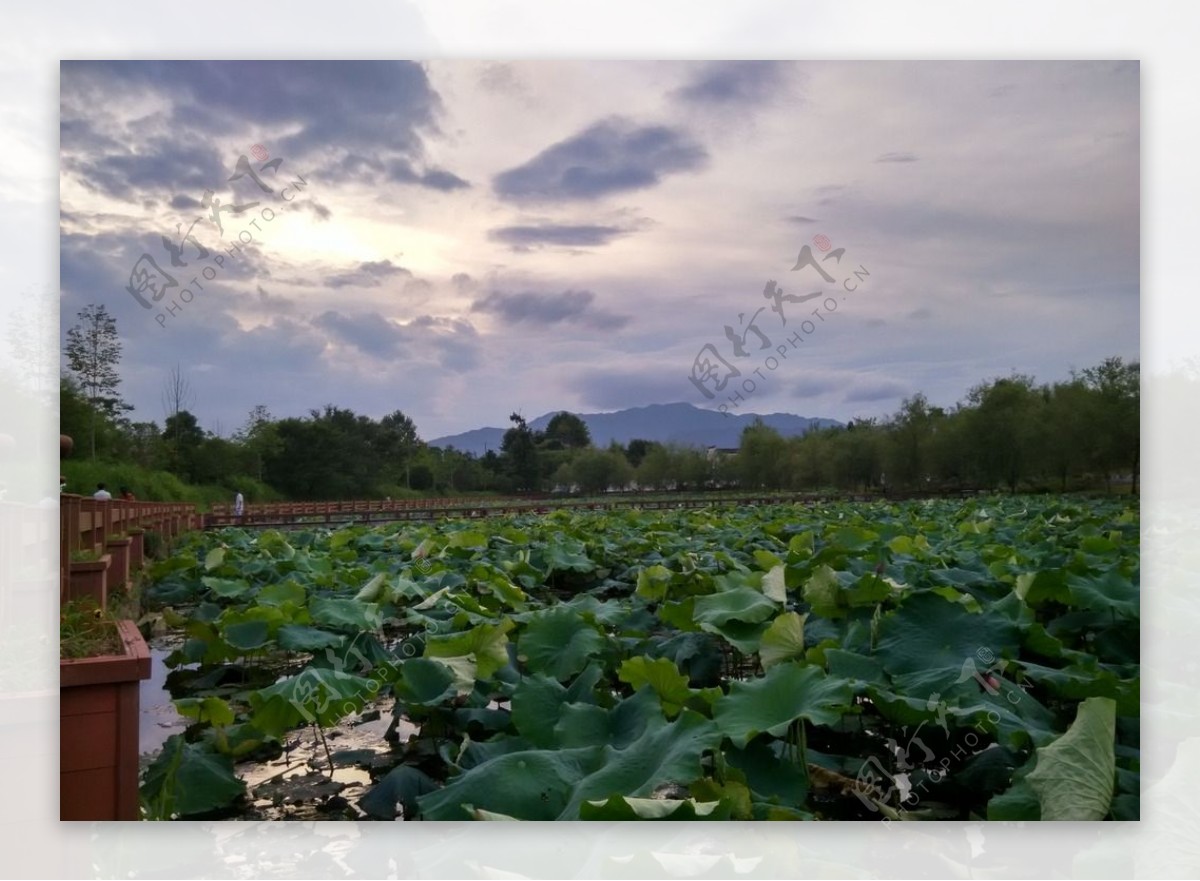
{"type": "Point", "coordinates": [298, 783]}
{"type": "Point", "coordinates": [158, 719]}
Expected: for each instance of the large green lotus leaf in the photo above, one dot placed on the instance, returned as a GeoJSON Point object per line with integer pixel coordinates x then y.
{"type": "Point", "coordinates": [315, 695]}
{"type": "Point", "coordinates": [783, 640]}
{"type": "Point", "coordinates": [374, 590]}
{"type": "Point", "coordinates": [1111, 591]}
{"type": "Point", "coordinates": [774, 583]}
{"type": "Point", "coordinates": [345, 614]}
{"type": "Point", "coordinates": [552, 785]}
{"type": "Point", "coordinates": [281, 592]}
{"type": "Point", "coordinates": [926, 642]}
{"type": "Point", "coordinates": [468, 539]}
{"type": "Point", "coordinates": [423, 681]}
{"type": "Point", "coordinates": [662, 676]}
{"type": "Point", "coordinates": [666, 752]}
{"type": "Point", "coordinates": [1075, 775]}
{"type": "Point", "coordinates": [852, 538]}
{"type": "Point", "coordinates": [537, 704]}
{"type": "Point", "coordinates": [273, 542]}
{"type": "Point", "coordinates": [679, 615]}
{"type": "Point", "coordinates": [861, 670]}
{"type": "Point", "coordinates": [302, 638]}
{"type": "Point", "coordinates": [742, 635]}
{"type": "Point", "coordinates": [558, 643]}
{"type": "Point", "coordinates": [591, 725]}
{"type": "Point", "coordinates": [733, 793]}
{"type": "Point", "coordinates": [213, 559]}
{"type": "Point", "coordinates": [620, 807]}
{"type": "Point", "coordinates": [653, 583]}
{"type": "Point", "coordinates": [737, 604]}
{"type": "Point", "coordinates": [400, 788]}
{"type": "Point", "coordinates": [187, 779]}
{"type": "Point", "coordinates": [823, 592]}
{"type": "Point", "coordinates": [208, 709]}
{"type": "Point", "coordinates": [528, 785]}
{"type": "Point", "coordinates": [246, 635]}
{"type": "Point", "coordinates": [498, 585]}
{"type": "Point", "coordinates": [665, 680]}
{"type": "Point", "coordinates": [696, 654]}
{"type": "Point", "coordinates": [1018, 803]}
{"type": "Point", "coordinates": [774, 701]}
{"type": "Point", "coordinates": [1045, 585]}
{"type": "Point", "coordinates": [226, 587]}
{"type": "Point", "coordinates": [769, 777]}
{"type": "Point", "coordinates": [485, 645]}
{"type": "Point", "coordinates": [1077, 682]}
{"type": "Point", "coordinates": [566, 555]}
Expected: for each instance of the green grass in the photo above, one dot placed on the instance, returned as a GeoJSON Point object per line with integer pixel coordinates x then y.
{"type": "Point", "coordinates": [159, 486]}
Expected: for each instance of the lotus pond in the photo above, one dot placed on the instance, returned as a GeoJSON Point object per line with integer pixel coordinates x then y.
{"type": "Point", "coordinates": [921, 660]}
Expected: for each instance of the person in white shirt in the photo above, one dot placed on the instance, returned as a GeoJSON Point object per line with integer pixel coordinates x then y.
{"type": "Point", "coordinates": [239, 505]}
{"type": "Point", "coordinates": [101, 493]}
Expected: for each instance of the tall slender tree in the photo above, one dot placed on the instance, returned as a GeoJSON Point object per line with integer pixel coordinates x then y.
{"type": "Point", "coordinates": [93, 352]}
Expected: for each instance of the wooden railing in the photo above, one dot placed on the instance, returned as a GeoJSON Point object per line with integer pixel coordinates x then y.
{"type": "Point", "coordinates": [87, 524]}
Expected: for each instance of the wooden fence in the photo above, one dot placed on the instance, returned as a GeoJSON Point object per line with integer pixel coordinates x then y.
{"type": "Point", "coordinates": [87, 525]}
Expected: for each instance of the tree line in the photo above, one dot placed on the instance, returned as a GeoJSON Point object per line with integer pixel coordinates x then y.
{"type": "Point", "coordinates": [1008, 433]}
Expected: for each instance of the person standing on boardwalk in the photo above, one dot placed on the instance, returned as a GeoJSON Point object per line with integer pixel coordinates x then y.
{"type": "Point", "coordinates": [239, 506]}
{"type": "Point", "coordinates": [101, 493]}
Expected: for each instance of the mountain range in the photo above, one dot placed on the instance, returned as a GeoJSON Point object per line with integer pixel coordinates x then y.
{"type": "Point", "coordinates": [667, 423]}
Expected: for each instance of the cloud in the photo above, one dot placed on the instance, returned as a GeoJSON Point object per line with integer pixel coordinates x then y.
{"type": "Point", "coordinates": [463, 283]}
{"type": "Point", "coordinates": [738, 83]}
{"type": "Point", "coordinates": [451, 341]}
{"type": "Point", "coordinates": [922, 314]}
{"type": "Point", "coordinates": [814, 386]}
{"type": "Point", "coordinates": [370, 274]}
{"type": "Point", "coordinates": [898, 157]}
{"type": "Point", "coordinates": [612, 156]}
{"type": "Point", "coordinates": [435, 179]}
{"type": "Point", "coordinates": [340, 120]}
{"type": "Point", "coordinates": [569, 307]}
{"type": "Point", "coordinates": [867, 390]}
{"type": "Point", "coordinates": [800, 219]}
{"type": "Point", "coordinates": [615, 390]}
{"type": "Point", "coordinates": [555, 234]}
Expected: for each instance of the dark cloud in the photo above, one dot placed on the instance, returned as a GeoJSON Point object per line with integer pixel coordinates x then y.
{"type": "Point", "coordinates": [738, 83]}
{"type": "Point", "coordinates": [556, 234]}
{"type": "Point", "coordinates": [463, 283]}
{"type": "Point", "coordinates": [800, 219]}
{"type": "Point", "coordinates": [611, 156]}
{"type": "Point", "coordinates": [569, 307]}
{"type": "Point", "coordinates": [898, 157]}
{"type": "Point", "coordinates": [370, 274]}
{"type": "Point", "coordinates": [321, 211]}
{"type": "Point", "coordinates": [500, 78]}
{"type": "Point", "coordinates": [185, 203]}
{"type": "Point", "coordinates": [453, 343]}
{"type": "Point", "coordinates": [869, 390]}
{"type": "Point", "coordinates": [342, 120]}
{"type": "Point", "coordinates": [617, 389]}
{"type": "Point", "coordinates": [435, 179]}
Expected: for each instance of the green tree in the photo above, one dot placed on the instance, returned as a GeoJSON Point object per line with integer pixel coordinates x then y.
{"type": "Point", "coordinates": [567, 431]}
{"type": "Point", "coordinates": [93, 352]}
{"type": "Point", "coordinates": [1003, 428]}
{"type": "Point", "coordinates": [520, 451]}
{"type": "Point", "coordinates": [1117, 385]}
{"type": "Point", "coordinates": [761, 456]}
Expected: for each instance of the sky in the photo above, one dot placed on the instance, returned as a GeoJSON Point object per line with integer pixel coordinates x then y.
{"type": "Point", "coordinates": [461, 240]}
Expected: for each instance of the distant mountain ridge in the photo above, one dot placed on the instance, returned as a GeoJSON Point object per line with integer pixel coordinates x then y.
{"type": "Point", "coordinates": [666, 423]}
